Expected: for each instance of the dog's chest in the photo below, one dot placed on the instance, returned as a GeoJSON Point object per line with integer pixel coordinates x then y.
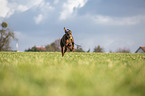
{"type": "Point", "coordinates": [68, 41]}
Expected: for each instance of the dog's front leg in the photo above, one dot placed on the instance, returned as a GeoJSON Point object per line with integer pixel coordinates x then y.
{"type": "Point", "coordinates": [73, 48]}
{"type": "Point", "coordinates": [69, 47]}
{"type": "Point", "coordinates": [63, 50]}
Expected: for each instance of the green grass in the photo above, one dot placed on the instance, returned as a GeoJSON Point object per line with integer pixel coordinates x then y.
{"type": "Point", "coordinates": [77, 74]}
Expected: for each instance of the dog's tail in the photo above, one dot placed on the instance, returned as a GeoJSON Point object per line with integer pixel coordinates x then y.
{"type": "Point", "coordinates": [77, 45]}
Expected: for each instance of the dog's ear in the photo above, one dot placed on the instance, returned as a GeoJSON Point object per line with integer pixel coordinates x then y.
{"type": "Point", "coordinates": [70, 31]}
{"type": "Point", "coordinates": [65, 30]}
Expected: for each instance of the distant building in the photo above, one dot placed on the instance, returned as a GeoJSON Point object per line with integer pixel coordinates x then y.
{"type": "Point", "coordinates": [140, 50]}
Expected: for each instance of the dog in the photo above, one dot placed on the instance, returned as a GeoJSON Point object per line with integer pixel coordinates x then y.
{"type": "Point", "coordinates": [67, 42]}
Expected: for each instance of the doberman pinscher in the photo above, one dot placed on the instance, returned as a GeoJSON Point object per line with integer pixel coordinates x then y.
{"type": "Point", "coordinates": [67, 41]}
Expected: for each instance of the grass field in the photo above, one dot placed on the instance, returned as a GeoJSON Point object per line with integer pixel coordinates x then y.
{"type": "Point", "coordinates": [77, 74]}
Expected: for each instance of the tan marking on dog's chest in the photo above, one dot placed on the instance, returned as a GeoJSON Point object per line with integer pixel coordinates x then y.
{"type": "Point", "coordinates": [68, 41]}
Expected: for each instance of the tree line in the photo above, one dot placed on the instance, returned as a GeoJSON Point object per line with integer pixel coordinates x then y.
{"type": "Point", "coordinates": [55, 47]}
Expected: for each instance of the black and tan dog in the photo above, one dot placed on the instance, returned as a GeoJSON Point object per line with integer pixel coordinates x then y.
{"type": "Point", "coordinates": [67, 41]}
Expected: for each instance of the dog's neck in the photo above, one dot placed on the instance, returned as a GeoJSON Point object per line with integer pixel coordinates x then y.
{"type": "Point", "coordinates": [66, 36]}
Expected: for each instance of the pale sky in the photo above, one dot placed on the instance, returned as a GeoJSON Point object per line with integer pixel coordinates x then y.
{"type": "Point", "coordinates": [111, 24]}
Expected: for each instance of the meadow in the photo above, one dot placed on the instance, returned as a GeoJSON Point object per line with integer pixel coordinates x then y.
{"type": "Point", "coordinates": [76, 74]}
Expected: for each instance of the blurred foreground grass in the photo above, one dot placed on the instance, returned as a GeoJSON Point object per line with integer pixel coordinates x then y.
{"type": "Point", "coordinates": [77, 74]}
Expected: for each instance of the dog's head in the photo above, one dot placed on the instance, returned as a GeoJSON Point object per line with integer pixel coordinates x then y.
{"type": "Point", "coordinates": [68, 34]}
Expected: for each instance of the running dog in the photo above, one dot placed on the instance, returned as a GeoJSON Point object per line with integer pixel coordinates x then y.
{"type": "Point", "coordinates": [67, 42]}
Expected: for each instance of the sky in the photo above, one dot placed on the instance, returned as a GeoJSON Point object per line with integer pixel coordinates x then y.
{"type": "Point", "coordinates": [112, 24]}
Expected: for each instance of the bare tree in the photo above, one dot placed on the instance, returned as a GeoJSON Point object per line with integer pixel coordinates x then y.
{"type": "Point", "coordinates": [98, 49]}
{"type": "Point", "coordinates": [5, 36]}
{"type": "Point", "coordinates": [54, 46]}
{"type": "Point", "coordinates": [123, 50]}
{"type": "Point", "coordinates": [79, 49]}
